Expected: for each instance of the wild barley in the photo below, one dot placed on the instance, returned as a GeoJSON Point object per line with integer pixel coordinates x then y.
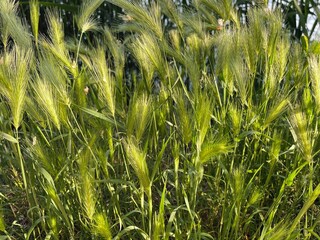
{"type": "Point", "coordinates": [193, 24]}
{"type": "Point", "coordinates": [213, 149]}
{"type": "Point", "coordinates": [255, 197]}
{"type": "Point", "coordinates": [301, 133]}
{"type": "Point", "coordinates": [198, 47]}
{"type": "Point", "coordinates": [57, 77]}
{"type": "Point", "coordinates": [147, 51]}
{"type": "Point", "coordinates": [56, 33]}
{"type": "Point", "coordinates": [296, 68]}
{"type": "Point", "coordinates": [104, 79]}
{"type": "Point", "coordinates": [203, 116]}
{"type": "Point", "coordinates": [169, 8]}
{"type": "Point", "coordinates": [250, 50]}
{"type": "Point", "coordinates": [226, 47]}
{"type": "Point", "coordinates": [62, 56]}
{"type": "Point", "coordinates": [37, 151]}
{"type": "Point", "coordinates": [5, 35]}
{"type": "Point", "coordinates": [258, 30]}
{"type": "Point", "coordinates": [279, 107]}
{"type": "Point", "coordinates": [117, 50]}
{"type": "Point", "coordinates": [102, 227]}
{"type": "Point", "coordinates": [13, 25]}
{"type": "Point", "coordinates": [137, 159]}
{"type": "Point", "coordinates": [85, 20]}
{"type": "Point", "coordinates": [15, 81]}
{"type": "Point", "coordinates": [32, 109]}
{"type": "Point", "coordinates": [241, 77]}
{"type": "Point", "coordinates": [224, 9]}
{"type": "Point", "coordinates": [88, 196]}
{"type": "Point", "coordinates": [149, 20]}
{"type": "Point", "coordinates": [282, 50]}
{"type": "Point", "coordinates": [277, 64]}
{"type": "Point", "coordinates": [237, 187]}
{"type": "Point", "coordinates": [235, 115]}
{"type": "Point", "coordinates": [184, 119]}
{"type": "Point", "coordinates": [34, 17]}
{"type": "Point", "coordinates": [46, 98]}
{"type": "Point", "coordinates": [139, 116]}
{"type": "Point", "coordinates": [208, 103]}
{"type": "Point", "coordinates": [175, 39]}
{"type": "Point", "coordinates": [56, 42]}
{"type": "Point", "coordinates": [315, 80]}
{"type": "Point", "coordinates": [147, 66]}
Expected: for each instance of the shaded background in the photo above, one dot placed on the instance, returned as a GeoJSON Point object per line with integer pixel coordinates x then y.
{"type": "Point", "coordinates": [301, 16]}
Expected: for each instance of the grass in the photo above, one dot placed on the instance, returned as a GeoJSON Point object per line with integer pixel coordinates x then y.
{"type": "Point", "coordinates": [210, 133]}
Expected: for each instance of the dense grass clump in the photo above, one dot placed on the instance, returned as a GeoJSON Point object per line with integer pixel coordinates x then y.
{"type": "Point", "coordinates": [213, 135]}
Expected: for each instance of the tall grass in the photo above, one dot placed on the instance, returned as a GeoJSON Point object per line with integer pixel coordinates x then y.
{"type": "Point", "coordinates": [212, 134]}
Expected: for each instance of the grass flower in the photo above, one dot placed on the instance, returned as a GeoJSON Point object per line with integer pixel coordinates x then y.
{"type": "Point", "coordinates": [179, 122]}
{"type": "Point", "coordinates": [137, 159]}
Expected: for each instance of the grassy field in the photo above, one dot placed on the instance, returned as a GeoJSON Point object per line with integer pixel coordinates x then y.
{"type": "Point", "coordinates": [213, 135]}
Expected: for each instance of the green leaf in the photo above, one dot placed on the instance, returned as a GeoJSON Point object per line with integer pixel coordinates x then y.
{"type": "Point", "coordinates": [52, 193]}
{"type": "Point", "coordinates": [2, 225]}
{"type": "Point", "coordinates": [97, 114]}
{"type": "Point", "coordinates": [308, 203]}
{"type": "Point", "coordinates": [128, 229]}
{"type": "Point", "coordinates": [159, 158]}
{"type": "Point", "coordinates": [8, 137]}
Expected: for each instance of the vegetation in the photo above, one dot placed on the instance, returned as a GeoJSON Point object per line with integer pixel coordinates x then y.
{"type": "Point", "coordinates": [214, 135]}
{"type": "Point", "coordinates": [299, 16]}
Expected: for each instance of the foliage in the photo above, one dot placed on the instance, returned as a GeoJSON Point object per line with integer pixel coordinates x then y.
{"type": "Point", "coordinates": [301, 17]}
{"type": "Point", "coordinates": [212, 136]}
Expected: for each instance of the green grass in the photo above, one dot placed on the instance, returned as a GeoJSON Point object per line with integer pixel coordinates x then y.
{"type": "Point", "coordinates": [213, 136]}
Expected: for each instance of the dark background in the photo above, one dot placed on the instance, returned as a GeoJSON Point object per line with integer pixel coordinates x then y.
{"type": "Point", "coordinates": [301, 16]}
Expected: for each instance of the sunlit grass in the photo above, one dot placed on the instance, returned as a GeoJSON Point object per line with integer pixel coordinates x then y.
{"type": "Point", "coordinates": [210, 133]}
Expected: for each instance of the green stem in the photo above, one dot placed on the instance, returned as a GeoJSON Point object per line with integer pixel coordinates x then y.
{"type": "Point", "coordinates": [150, 211]}
{"type": "Point", "coordinates": [78, 49]}
{"type": "Point", "coordinates": [142, 208]}
{"type": "Point", "coordinates": [21, 163]}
